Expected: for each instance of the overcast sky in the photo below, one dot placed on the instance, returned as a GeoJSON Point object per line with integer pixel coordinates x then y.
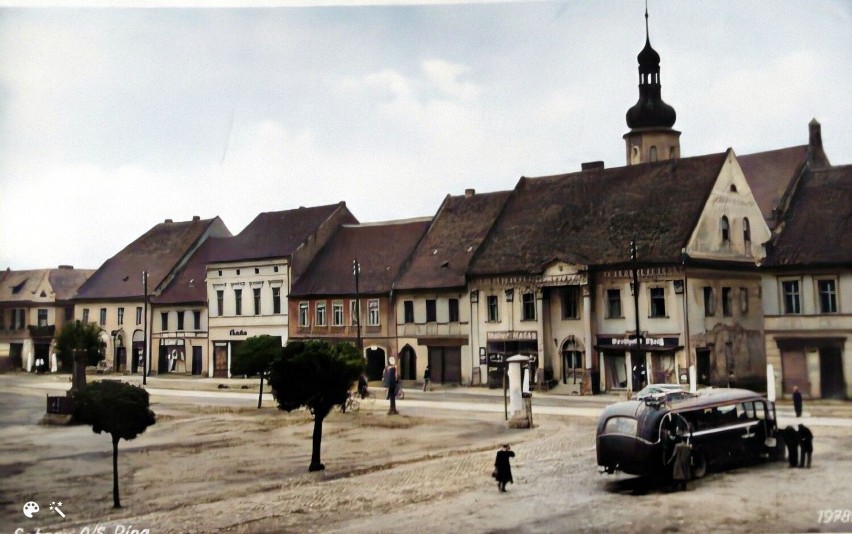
{"type": "Point", "coordinates": [112, 120]}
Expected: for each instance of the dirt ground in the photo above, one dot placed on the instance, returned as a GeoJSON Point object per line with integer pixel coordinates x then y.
{"type": "Point", "coordinates": [238, 469]}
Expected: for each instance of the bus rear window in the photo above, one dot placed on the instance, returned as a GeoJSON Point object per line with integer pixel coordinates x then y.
{"type": "Point", "coordinates": [620, 425]}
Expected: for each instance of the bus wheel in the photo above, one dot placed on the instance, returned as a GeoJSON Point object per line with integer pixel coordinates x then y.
{"type": "Point", "coordinates": [699, 465]}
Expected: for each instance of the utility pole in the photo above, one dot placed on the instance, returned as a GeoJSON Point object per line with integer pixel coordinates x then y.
{"type": "Point", "coordinates": [145, 329]}
{"type": "Point", "coordinates": [638, 352]}
{"type": "Point", "coordinates": [356, 271]}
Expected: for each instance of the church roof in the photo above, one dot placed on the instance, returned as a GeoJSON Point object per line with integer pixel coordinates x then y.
{"type": "Point", "coordinates": [590, 217]}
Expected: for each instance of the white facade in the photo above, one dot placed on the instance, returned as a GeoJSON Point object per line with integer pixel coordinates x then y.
{"type": "Point", "coordinates": [245, 299]}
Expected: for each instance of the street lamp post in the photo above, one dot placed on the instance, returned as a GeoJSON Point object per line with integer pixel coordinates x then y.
{"type": "Point", "coordinates": [356, 271]}
{"type": "Point", "coordinates": [145, 329]}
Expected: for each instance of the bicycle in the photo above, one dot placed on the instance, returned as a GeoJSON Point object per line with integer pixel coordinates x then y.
{"type": "Point", "coordinates": [352, 403]}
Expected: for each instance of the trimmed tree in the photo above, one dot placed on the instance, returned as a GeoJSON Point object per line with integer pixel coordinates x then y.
{"type": "Point", "coordinates": [254, 356]}
{"type": "Point", "coordinates": [81, 343]}
{"type": "Point", "coordinates": [117, 408]}
{"type": "Point", "coordinates": [316, 375]}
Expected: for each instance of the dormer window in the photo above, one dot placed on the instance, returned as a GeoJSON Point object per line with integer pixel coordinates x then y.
{"type": "Point", "coordinates": [726, 229]}
{"type": "Point", "coordinates": [733, 188]}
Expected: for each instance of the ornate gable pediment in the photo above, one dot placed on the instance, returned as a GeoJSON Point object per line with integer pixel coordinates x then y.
{"type": "Point", "coordinates": [731, 225]}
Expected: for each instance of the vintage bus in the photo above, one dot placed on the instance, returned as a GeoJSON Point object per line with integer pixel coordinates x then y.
{"type": "Point", "coordinates": [724, 426]}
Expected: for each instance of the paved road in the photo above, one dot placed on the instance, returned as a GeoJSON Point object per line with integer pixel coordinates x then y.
{"type": "Point", "coordinates": [197, 391]}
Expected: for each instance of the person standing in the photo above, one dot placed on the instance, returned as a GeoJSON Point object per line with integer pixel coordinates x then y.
{"type": "Point", "coordinates": [797, 401]}
{"type": "Point", "coordinates": [427, 377]}
{"type": "Point", "coordinates": [391, 382]}
{"type": "Point", "coordinates": [502, 467]}
{"type": "Point", "coordinates": [682, 470]}
{"type": "Point", "coordinates": [806, 443]}
{"type": "Point", "coordinates": [362, 386]}
{"type": "Point", "coordinates": [791, 440]}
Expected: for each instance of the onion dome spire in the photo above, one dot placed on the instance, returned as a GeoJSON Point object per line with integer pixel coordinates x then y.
{"type": "Point", "coordinates": [650, 111]}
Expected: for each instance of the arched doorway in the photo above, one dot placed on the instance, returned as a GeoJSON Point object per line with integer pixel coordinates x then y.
{"type": "Point", "coordinates": [120, 350]}
{"type": "Point", "coordinates": [375, 362]}
{"type": "Point", "coordinates": [138, 351]}
{"type": "Point", "coordinates": [408, 363]}
{"type": "Point", "coordinates": [573, 360]}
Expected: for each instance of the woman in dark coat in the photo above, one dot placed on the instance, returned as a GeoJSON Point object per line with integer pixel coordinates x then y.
{"type": "Point", "coordinates": [502, 468]}
{"type": "Point", "coordinates": [791, 440]}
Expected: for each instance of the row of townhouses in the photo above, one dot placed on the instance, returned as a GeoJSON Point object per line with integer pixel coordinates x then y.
{"type": "Point", "coordinates": [608, 278]}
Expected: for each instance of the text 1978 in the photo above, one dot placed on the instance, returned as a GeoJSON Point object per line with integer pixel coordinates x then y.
{"type": "Point", "coordinates": [835, 516]}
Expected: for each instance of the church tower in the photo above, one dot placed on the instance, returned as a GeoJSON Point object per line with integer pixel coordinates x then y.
{"type": "Point", "coordinates": [651, 137]}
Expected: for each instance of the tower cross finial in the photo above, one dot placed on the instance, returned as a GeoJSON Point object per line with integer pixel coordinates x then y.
{"type": "Point", "coordinates": [647, 34]}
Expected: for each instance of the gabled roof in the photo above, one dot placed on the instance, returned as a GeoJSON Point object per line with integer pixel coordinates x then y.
{"type": "Point", "coordinates": [66, 281]}
{"type": "Point", "coordinates": [770, 173]}
{"type": "Point", "coordinates": [380, 248]}
{"type": "Point", "coordinates": [817, 227]}
{"type": "Point", "coordinates": [589, 217]}
{"type": "Point", "coordinates": [456, 233]}
{"type": "Point", "coordinates": [22, 286]}
{"type": "Point", "coordinates": [276, 234]}
{"type": "Point", "coordinates": [189, 285]}
{"type": "Point", "coordinates": [160, 251]}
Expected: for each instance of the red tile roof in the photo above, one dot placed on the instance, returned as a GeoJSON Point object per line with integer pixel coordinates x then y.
{"type": "Point", "coordinates": [276, 234]}
{"type": "Point", "coordinates": [160, 252]}
{"type": "Point", "coordinates": [456, 233]}
{"type": "Point", "coordinates": [816, 229]}
{"type": "Point", "coordinates": [770, 173]}
{"type": "Point", "coordinates": [381, 249]}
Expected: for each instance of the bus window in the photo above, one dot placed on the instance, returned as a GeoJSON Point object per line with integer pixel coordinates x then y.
{"type": "Point", "coordinates": [760, 409]}
{"type": "Point", "coordinates": [621, 425]}
{"type": "Point", "coordinates": [746, 411]}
